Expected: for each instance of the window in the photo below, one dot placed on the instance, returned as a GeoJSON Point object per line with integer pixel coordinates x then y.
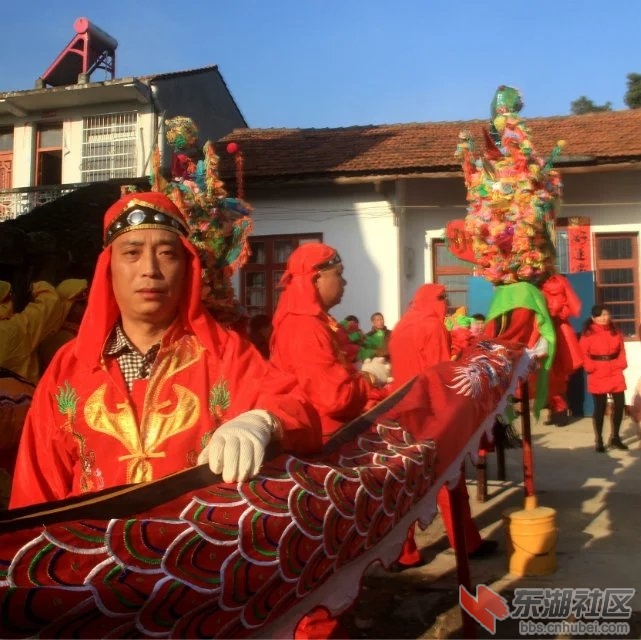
{"type": "Point", "coordinates": [6, 157]}
{"type": "Point", "coordinates": [49, 154]}
{"type": "Point", "coordinates": [617, 287]}
{"type": "Point", "coordinates": [109, 146]}
{"type": "Point", "coordinates": [562, 250]}
{"type": "Point", "coordinates": [260, 276]}
{"type": "Point", "coordinates": [451, 272]}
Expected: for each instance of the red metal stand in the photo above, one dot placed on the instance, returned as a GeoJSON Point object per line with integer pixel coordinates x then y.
{"type": "Point", "coordinates": [90, 49]}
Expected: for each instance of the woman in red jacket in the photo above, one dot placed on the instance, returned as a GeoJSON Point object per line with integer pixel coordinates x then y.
{"type": "Point", "coordinates": [604, 362]}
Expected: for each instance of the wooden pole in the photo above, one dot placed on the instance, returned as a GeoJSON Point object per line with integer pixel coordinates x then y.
{"type": "Point", "coordinates": [460, 549]}
{"type": "Point", "coordinates": [528, 458]}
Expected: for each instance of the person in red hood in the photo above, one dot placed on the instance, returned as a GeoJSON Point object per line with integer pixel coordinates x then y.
{"type": "Point", "coordinates": [563, 303]}
{"type": "Point", "coordinates": [420, 340]}
{"type": "Point", "coordinates": [604, 362]}
{"type": "Point", "coordinates": [308, 342]}
{"type": "Point", "coordinates": [152, 384]}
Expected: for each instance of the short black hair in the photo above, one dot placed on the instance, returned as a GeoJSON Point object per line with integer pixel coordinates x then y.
{"type": "Point", "coordinates": [479, 316]}
{"type": "Point", "coordinates": [351, 319]}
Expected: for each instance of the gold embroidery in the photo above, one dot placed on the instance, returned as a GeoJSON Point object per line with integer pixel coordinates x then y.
{"type": "Point", "coordinates": [142, 442]}
{"type": "Point", "coordinates": [67, 399]}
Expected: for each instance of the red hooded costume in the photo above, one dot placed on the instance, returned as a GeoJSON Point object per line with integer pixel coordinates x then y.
{"type": "Point", "coordinates": [85, 431]}
{"type": "Point", "coordinates": [308, 342]}
{"type": "Point", "coordinates": [562, 303]}
{"type": "Point", "coordinates": [420, 340]}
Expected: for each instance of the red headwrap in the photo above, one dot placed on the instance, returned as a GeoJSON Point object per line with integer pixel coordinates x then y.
{"type": "Point", "coordinates": [560, 297]}
{"type": "Point", "coordinates": [429, 302]}
{"type": "Point", "coordinates": [102, 311]}
{"type": "Point", "coordinates": [300, 295]}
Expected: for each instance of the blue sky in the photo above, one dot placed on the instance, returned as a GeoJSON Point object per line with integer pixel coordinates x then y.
{"type": "Point", "coordinates": [305, 63]}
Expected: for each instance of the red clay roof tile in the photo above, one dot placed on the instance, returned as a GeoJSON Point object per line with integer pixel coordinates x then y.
{"type": "Point", "coordinates": [595, 138]}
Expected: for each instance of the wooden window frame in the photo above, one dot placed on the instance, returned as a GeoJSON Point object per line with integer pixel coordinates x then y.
{"type": "Point", "coordinates": [630, 263]}
{"type": "Point", "coordinates": [6, 156]}
{"type": "Point", "coordinates": [463, 269]}
{"type": "Point", "coordinates": [269, 268]}
{"type": "Point", "coordinates": [40, 149]}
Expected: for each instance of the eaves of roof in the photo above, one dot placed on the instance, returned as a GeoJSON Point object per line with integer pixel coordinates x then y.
{"type": "Point", "coordinates": [416, 149]}
{"type": "Point", "coordinates": [176, 74]}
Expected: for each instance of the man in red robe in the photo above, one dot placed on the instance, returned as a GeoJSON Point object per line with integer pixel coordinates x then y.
{"type": "Point", "coordinates": [152, 384]}
{"type": "Point", "coordinates": [308, 342]}
{"type": "Point", "coordinates": [418, 341]}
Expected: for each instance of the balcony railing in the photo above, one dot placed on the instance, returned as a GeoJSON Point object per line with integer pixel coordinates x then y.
{"type": "Point", "coordinates": [17, 202]}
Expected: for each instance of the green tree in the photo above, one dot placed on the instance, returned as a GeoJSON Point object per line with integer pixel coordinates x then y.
{"type": "Point", "coordinates": [633, 95]}
{"type": "Point", "coordinates": [585, 105]}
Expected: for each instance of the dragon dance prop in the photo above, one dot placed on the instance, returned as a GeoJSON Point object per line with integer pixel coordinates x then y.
{"type": "Point", "coordinates": [189, 556]}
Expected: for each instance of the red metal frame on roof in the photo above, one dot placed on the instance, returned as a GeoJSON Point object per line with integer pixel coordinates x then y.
{"type": "Point", "coordinates": [90, 49]}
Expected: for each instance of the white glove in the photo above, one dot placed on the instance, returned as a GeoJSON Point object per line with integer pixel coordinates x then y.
{"type": "Point", "coordinates": [539, 350]}
{"type": "Point", "coordinates": [379, 368]}
{"type": "Point", "coordinates": [237, 448]}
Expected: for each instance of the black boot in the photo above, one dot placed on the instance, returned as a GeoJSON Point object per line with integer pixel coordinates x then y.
{"type": "Point", "coordinates": [598, 438]}
{"type": "Point", "coordinates": [561, 418]}
{"type": "Point", "coordinates": [615, 443]}
{"type": "Point", "coordinates": [615, 439]}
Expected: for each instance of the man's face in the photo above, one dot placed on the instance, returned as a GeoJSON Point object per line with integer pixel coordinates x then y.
{"type": "Point", "coordinates": [378, 322]}
{"type": "Point", "coordinates": [148, 269]}
{"type": "Point", "coordinates": [331, 285]}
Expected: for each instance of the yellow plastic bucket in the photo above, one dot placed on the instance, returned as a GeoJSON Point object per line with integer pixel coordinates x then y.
{"type": "Point", "coordinates": [531, 536]}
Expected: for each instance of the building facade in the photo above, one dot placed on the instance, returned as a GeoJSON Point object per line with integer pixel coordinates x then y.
{"type": "Point", "coordinates": [382, 195]}
{"type": "Point", "coordinates": [54, 139]}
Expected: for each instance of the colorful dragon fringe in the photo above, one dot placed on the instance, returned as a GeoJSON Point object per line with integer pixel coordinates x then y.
{"type": "Point", "coordinates": [220, 225]}
{"type": "Point", "coordinates": [230, 559]}
{"type": "Point", "coordinates": [513, 195]}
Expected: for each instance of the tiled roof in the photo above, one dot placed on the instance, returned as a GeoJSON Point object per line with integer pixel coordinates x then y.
{"type": "Point", "coordinates": [416, 148]}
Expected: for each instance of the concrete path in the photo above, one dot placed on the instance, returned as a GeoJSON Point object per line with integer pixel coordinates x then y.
{"type": "Point", "coordinates": [597, 499]}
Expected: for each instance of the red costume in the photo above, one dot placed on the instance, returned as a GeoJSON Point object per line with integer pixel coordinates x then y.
{"type": "Point", "coordinates": [562, 303]}
{"type": "Point", "coordinates": [420, 340]}
{"type": "Point", "coordinates": [307, 342]}
{"type": "Point", "coordinates": [85, 431]}
{"type": "Point", "coordinates": [603, 359]}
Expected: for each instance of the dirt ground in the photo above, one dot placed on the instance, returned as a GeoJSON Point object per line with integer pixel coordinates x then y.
{"type": "Point", "coordinates": [394, 606]}
{"type": "Point", "coordinates": [423, 603]}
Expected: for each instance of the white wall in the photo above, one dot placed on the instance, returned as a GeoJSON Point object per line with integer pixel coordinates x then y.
{"type": "Point", "coordinates": [360, 225]}
{"type": "Point", "coordinates": [426, 208]}
{"type": "Point", "coordinates": [24, 143]}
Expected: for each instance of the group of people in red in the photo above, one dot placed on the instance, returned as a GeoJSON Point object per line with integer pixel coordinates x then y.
{"type": "Point", "coordinates": [153, 384]}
